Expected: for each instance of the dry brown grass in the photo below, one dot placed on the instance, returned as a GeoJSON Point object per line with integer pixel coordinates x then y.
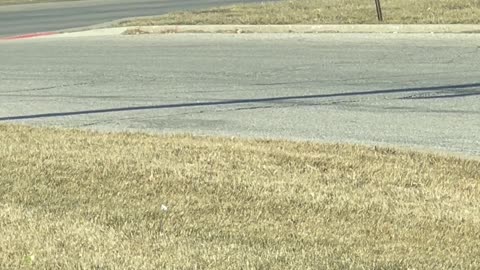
{"type": "Point", "coordinates": [329, 12]}
{"type": "Point", "coordinates": [79, 200]}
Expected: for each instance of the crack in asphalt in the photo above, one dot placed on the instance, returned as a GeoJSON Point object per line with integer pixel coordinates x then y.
{"type": "Point", "coordinates": [443, 94]}
{"type": "Point", "coordinates": [46, 88]}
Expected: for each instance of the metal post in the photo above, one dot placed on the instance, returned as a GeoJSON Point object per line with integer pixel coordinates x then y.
{"type": "Point", "coordinates": [379, 10]}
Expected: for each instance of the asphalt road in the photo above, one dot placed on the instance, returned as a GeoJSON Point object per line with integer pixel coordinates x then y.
{"type": "Point", "coordinates": [420, 91]}
{"type": "Point", "coordinates": [32, 18]}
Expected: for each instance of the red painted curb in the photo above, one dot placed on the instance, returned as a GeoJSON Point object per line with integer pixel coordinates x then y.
{"type": "Point", "coordinates": [32, 35]}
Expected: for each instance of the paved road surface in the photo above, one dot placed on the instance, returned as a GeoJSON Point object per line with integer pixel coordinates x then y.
{"type": "Point", "coordinates": [22, 19]}
{"type": "Point", "coordinates": [419, 91]}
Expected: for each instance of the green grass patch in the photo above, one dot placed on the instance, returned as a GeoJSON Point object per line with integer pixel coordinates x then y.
{"type": "Point", "coordinates": [328, 12]}
{"type": "Point", "coordinates": [82, 200]}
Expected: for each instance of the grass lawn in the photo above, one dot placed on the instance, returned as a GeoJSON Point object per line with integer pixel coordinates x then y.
{"type": "Point", "coordinates": [81, 200]}
{"type": "Point", "coordinates": [328, 12]}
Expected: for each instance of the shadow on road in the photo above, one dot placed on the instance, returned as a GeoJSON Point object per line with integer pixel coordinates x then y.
{"type": "Point", "coordinates": [446, 88]}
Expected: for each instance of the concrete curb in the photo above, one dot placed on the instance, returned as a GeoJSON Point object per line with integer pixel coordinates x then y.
{"type": "Point", "coordinates": [81, 33]}
{"type": "Point", "coordinates": [27, 36]}
{"type": "Point", "coordinates": [95, 32]}
{"type": "Point", "coordinates": [375, 28]}
{"type": "Point", "coordinates": [239, 29]}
